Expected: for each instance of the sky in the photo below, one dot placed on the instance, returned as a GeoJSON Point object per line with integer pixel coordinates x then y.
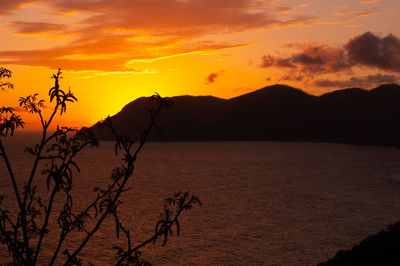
{"type": "Point", "coordinates": [112, 52]}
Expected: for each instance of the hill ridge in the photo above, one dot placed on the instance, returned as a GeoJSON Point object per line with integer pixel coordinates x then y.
{"type": "Point", "coordinates": [277, 112]}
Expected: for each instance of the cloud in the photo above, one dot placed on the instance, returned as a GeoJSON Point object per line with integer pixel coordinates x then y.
{"type": "Point", "coordinates": [368, 51]}
{"type": "Point", "coordinates": [36, 28]}
{"type": "Point", "coordinates": [310, 60]}
{"type": "Point", "coordinates": [365, 81]}
{"type": "Point", "coordinates": [113, 34]}
{"type": "Point", "coordinates": [212, 77]}
{"type": "Point", "coordinates": [346, 16]}
{"type": "Point", "coordinates": [371, 50]}
{"type": "Point", "coordinates": [357, 13]}
{"type": "Point", "coordinates": [109, 53]}
{"type": "Point", "coordinates": [369, 1]}
{"type": "Point", "coordinates": [282, 9]}
{"type": "Point", "coordinates": [270, 61]}
{"type": "Point", "coordinates": [8, 6]}
{"type": "Point", "coordinates": [167, 15]}
{"type": "Point", "coordinates": [291, 76]}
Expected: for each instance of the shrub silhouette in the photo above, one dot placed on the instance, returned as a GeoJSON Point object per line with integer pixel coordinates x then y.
{"type": "Point", "coordinates": [379, 249]}
{"type": "Point", "coordinates": [25, 232]}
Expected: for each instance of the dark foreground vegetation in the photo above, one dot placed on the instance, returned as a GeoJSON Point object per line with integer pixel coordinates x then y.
{"type": "Point", "coordinates": [274, 113]}
{"type": "Point", "coordinates": [380, 249]}
{"type": "Point", "coordinates": [26, 213]}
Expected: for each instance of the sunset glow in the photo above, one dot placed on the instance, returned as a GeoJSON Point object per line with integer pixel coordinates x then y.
{"type": "Point", "coordinates": [112, 52]}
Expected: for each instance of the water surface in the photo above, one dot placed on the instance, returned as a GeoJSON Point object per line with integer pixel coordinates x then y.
{"type": "Point", "coordinates": [264, 203]}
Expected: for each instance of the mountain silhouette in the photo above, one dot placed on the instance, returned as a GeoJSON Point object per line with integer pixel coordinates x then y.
{"type": "Point", "coordinates": [277, 112]}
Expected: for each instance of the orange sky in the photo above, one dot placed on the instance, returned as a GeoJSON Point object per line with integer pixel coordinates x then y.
{"type": "Point", "coordinates": [113, 52]}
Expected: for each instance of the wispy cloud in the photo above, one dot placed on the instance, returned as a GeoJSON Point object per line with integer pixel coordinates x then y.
{"type": "Point", "coordinates": [369, 1]}
{"type": "Point", "coordinates": [92, 74]}
{"type": "Point", "coordinates": [10, 6]}
{"type": "Point", "coordinates": [113, 35]}
{"type": "Point", "coordinates": [349, 15]}
{"type": "Point", "coordinates": [282, 9]}
{"type": "Point", "coordinates": [36, 28]}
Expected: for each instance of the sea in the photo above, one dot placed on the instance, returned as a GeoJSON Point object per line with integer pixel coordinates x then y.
{"type": "Point", "coordinates": [263, 203]}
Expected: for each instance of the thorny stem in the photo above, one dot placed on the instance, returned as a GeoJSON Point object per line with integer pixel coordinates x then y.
{"type": "Point", "coordinates": [50, 203]}
{"type": "Point", "coordinates": [21, 206]}
{"type": "Point", "coordinates": [131, 159]}
{"type": "Point", "coordinates": [60, 241]}
{"type": "Point", "coordinates": [151, 239]}
{"type": "Point", "coordinates": [10, 240]}
{"type": "Point", "coordinates": [37, 158]}
{"type": "Point", "coordinates": [99, 222]}
{"type": "Point", "coordinates": [43, 230]}
{"type": "Point", "coordinates": [45, 126]}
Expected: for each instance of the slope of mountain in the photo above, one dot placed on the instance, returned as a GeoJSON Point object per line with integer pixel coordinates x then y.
{"type": "Point", "coordinates": [276, 112]}
{"type": "Point", "coordinates": [379, 249]}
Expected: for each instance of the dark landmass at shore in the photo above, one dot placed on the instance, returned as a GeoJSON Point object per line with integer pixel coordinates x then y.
{"type": "Point", "coordinates": [273, 113]}
{"type": "Point", "coordinates": [380, 249]}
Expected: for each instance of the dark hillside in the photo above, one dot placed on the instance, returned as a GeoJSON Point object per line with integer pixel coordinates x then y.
{"type": "Point", "coordinates": [276, 112]}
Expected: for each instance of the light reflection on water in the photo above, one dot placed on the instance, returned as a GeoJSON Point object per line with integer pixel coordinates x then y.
{"type": "Point", "coordinates": [282, 203]}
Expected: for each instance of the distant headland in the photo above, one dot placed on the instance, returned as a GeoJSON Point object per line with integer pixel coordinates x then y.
{"type": "Point", "coordinates": [273, 113]}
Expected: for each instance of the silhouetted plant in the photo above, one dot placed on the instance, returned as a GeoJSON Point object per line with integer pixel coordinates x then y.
{"type": "Point", "coordinates": [381, 248]}
{"type": "Point", "coordinates": [25, 232]}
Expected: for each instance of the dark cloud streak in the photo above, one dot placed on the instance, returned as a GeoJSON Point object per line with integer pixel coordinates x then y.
{"type": "Point", "coordinates": [34, 27]}
{"type": "Point", "coordinates": [366, 81]}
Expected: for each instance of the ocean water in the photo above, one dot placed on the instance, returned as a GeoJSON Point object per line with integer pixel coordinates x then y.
{"type": "Point", "coordinates": [264, 203]}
